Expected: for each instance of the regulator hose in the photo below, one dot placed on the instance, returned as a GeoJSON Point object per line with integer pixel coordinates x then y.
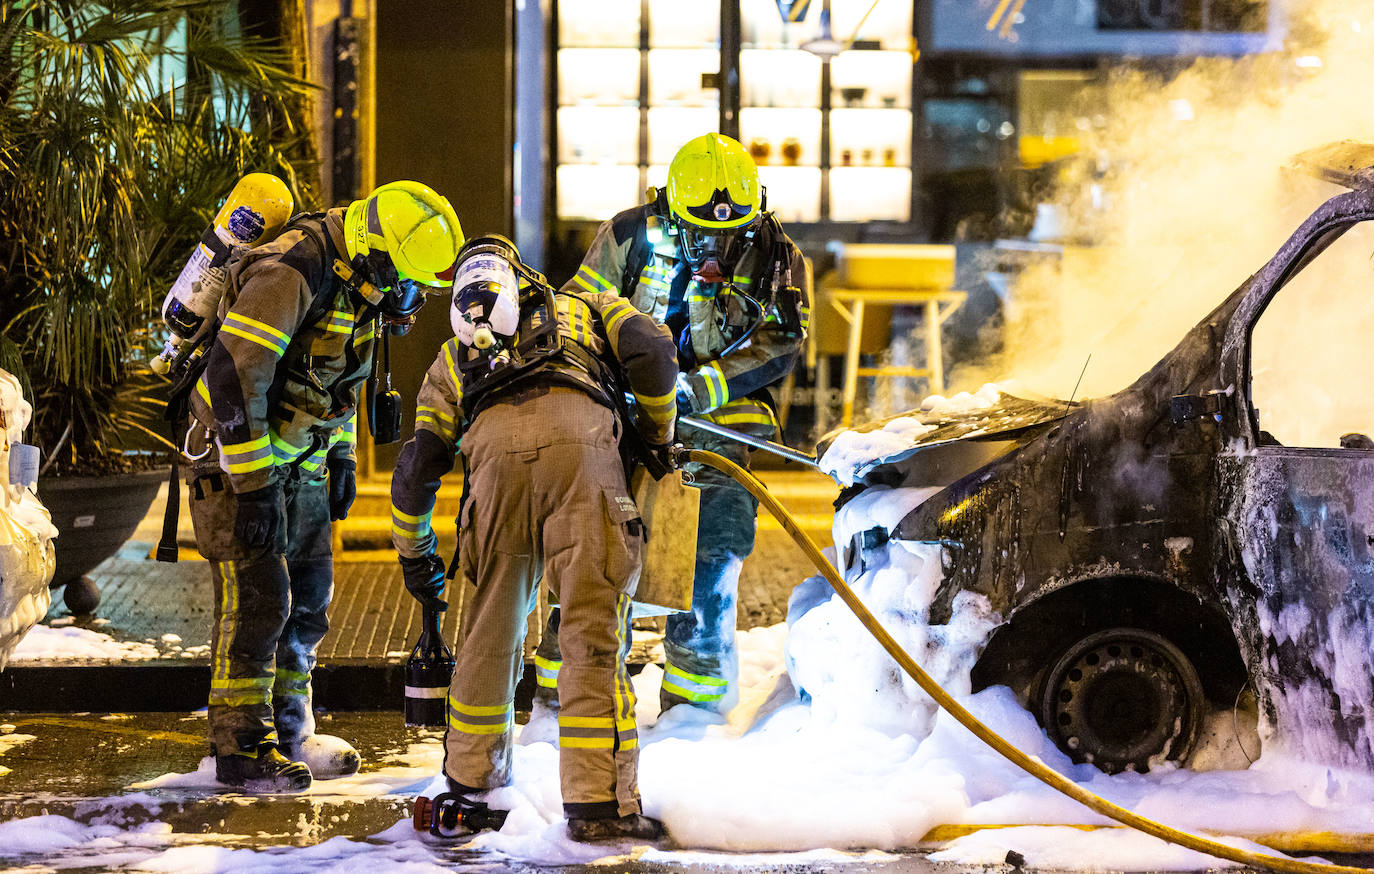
{"type": "Point", "coordinates": [968, 720]}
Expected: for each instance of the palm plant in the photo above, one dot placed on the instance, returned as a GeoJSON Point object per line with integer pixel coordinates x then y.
{"type": "Point", "coordinates": [123, 124]}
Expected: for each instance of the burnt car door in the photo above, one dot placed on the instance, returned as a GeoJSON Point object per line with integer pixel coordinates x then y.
{"type": "Point", "coordinates": [1295, 484]}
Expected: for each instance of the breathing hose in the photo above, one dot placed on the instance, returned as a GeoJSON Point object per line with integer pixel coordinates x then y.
{"type": "Point", "coordinates": [968, 720]}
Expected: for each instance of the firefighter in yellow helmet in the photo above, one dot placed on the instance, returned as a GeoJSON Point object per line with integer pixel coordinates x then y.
{"type": "Point", "coordinates": [708, 260]}
{"type": "Point", "coordinates": [272, 438]}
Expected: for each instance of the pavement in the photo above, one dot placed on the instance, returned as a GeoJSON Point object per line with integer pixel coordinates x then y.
{"type": "Point", "coordinates": [119, 750]}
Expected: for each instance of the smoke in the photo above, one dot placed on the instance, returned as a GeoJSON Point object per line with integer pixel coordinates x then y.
{"type": "Point", "coordinates": [1184, 194]}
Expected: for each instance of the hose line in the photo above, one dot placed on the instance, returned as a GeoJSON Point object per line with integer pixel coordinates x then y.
{"type": "Point", "coordinates": [1031, 766]}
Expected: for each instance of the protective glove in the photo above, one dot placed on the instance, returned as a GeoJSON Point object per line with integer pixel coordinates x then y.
{"type": "Point", "coordinates": [424, 578]}
{"type": "Point", "coordinates": [663, 462]}
{"type": "Point", "coordinates": [343, 487]}
{"type": "Point", "coordinates": [258, 516]}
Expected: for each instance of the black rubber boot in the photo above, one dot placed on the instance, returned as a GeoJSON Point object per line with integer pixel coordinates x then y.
{"type": "Point", "coordinates": [268, 771]}
{"type": "Point", "coordinates": [631, 826]}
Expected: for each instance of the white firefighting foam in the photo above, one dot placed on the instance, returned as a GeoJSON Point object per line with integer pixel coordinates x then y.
{"type": "Point", "coordinates": [850, 450]}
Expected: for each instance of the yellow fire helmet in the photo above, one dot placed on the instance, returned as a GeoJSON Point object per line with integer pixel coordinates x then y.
{"type": "Point", "coordinates": [714, 184]}
{"type": "Point", "coordinates": [413, 224]}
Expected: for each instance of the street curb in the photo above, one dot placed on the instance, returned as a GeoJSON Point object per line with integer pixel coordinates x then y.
{"type": "Point", "coordinates": [169, 686]}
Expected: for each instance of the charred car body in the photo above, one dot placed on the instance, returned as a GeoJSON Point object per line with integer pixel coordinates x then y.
{"type": "Point", "coordinates": [1153, 553]}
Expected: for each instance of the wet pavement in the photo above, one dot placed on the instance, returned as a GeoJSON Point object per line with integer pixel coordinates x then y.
{"type": "Point", "coordinates": [89, 767]}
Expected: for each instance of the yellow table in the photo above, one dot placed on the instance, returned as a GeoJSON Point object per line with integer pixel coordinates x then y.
{"type": "Point", "coordinates": [939, 304]}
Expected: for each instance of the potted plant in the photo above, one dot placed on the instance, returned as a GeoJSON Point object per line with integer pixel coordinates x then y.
{"type": "Point", "coordinates": [122, 127]}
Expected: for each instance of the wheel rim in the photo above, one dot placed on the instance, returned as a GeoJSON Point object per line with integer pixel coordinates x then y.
{"type": "Point", "coordinates": [1121, 699]}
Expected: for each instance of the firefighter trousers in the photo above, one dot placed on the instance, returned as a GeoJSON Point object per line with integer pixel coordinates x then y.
{"type": "Point", "coordinates": [270, 608]}
{"type": "Point", "coordinates": [702, 666]}
{"type": "Point", "coordinates": [547, 498]}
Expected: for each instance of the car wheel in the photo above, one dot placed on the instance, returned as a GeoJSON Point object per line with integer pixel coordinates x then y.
{"type": "Point", "coordinates": [1123, 699]}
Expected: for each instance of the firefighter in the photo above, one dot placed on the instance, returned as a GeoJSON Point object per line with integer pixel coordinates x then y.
{"type": "Point", "coordinates": [530, 385]}
{"type": "Point", "coordinates": [274, 414]}
{"type": "Point", "coordinates": [707, 260]}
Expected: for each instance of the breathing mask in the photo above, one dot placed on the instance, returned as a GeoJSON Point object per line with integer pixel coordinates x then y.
{"type": "Point", "coordinates": [485, 312]}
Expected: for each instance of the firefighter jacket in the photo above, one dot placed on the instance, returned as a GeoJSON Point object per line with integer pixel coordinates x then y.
{"type": "Point", "coordinates": [280, 385]}
{"type": "Point", "coordinates": [723, 384]}
{"type": "Point", "coordinates": [599, 323]}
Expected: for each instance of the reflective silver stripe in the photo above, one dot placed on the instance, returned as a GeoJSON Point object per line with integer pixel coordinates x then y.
{"type": "Point", "coordinates": [426, 691]}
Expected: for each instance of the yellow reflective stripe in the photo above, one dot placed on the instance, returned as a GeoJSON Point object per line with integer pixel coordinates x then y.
{"type": "Point", "coordinates": [586, 743]}
{"type": "Point", "coordinates": [480, 710]}
{"type": "Point", "coordinates": [261, 341]}
{"type": "Point", "coordinates": [247, 446]}
{"type": "Point", "coordinates": [654, 282]}
{"type": "Point", "coordinates": [292, 676]}
{"type": "Point", "coordinates": [743, 280]}
{"type": "Point", "coordinates": [468, 728]}
{"type": "Point", "coordinates": [261, 326]}
{"type": "Point", "coordinates": [617, 313]}
{"type": "Point", "coordinates": [607, 722]}
{"type": "Point", "coordinates": [674, 671]}
{"type": "Point", "coordinates": [250, 466]}
{"type": "Point", "coordinates": [690, 695]}
{"type": "Point", "coordinates": [656, 402]}
{"type": "Point", "coordinates": [244, 683]}
{"type": "Point", "coordinates": [407, 517]}
{"type": "Point", "coordinates": [227, 620]}
{"type": "Point", "coordinates": [546, 682]}
{"type": "Point", "coordinates": [202, 389]}
{"type": "Point", "coordinates": [240, 700]}
{"type": "Point", "coordinates": [314, 461]}
{"type": "Point", "coordinates": [598, 277]}
{"type": "Point", "coordinates": [370, 333]}
{"type": "Point", "coordinates": [715, 385]}
{"type": "Point", "coordinates": [743, 419]}
{"type": "Point", "coordinates": [585, 284]}
{"type": "Point", "coordinates": [547, 664]}
{"type": "Point", "coordinates": [452, 368]}
{"type": "Point", "coordinates": [438, 412]}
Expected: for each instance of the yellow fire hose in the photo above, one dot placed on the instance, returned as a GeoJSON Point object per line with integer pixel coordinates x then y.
{"type": "Point", "coordinates": [968, 720]}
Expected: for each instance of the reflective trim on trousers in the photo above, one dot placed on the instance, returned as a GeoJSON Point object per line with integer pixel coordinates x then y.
{"type": "Point", "coordinates": [546, 672]}
{"type": "Point", "coordinates": [474, 719]}
{"type": "Point", "coordinates": [693, 687]}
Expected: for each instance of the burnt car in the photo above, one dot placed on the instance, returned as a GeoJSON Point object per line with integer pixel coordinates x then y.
{"type": "Point", "coordinates": [1156, 552]}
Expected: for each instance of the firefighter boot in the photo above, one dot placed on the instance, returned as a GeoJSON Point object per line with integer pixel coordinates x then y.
{"type": "Point", "coordinates": [631, 826]}
{"type": "Point", "coordinates": [265, 770]}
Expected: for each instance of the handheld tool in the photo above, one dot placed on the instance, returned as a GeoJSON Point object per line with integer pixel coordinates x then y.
{"type": "Point", "coordinates": [444, 814]}
{"type": "Point", "coordinates": [428, 673]}
{"type": "Point", "coordinates": [786, 452]}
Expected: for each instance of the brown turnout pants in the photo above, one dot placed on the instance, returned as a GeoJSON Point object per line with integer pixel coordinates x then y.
{"type": "Point", "coordinates": [547, 497]}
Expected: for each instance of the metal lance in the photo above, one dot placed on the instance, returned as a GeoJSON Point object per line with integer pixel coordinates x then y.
{"type": "Point", "coordinates": [428, 673]}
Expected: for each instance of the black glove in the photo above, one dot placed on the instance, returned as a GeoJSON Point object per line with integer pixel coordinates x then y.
{"type": "Point", "coordinates": [662, 461]}
{"type": "Point", "coordinates": [258, 516]}
{"type": "Point", "coordinates": [424, 578]}
{"type": "Point", "coordinates": [343, 487]}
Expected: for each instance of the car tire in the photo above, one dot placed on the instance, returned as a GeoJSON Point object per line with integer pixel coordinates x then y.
{"type": "Point", "coordinates": [1123, 699]}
